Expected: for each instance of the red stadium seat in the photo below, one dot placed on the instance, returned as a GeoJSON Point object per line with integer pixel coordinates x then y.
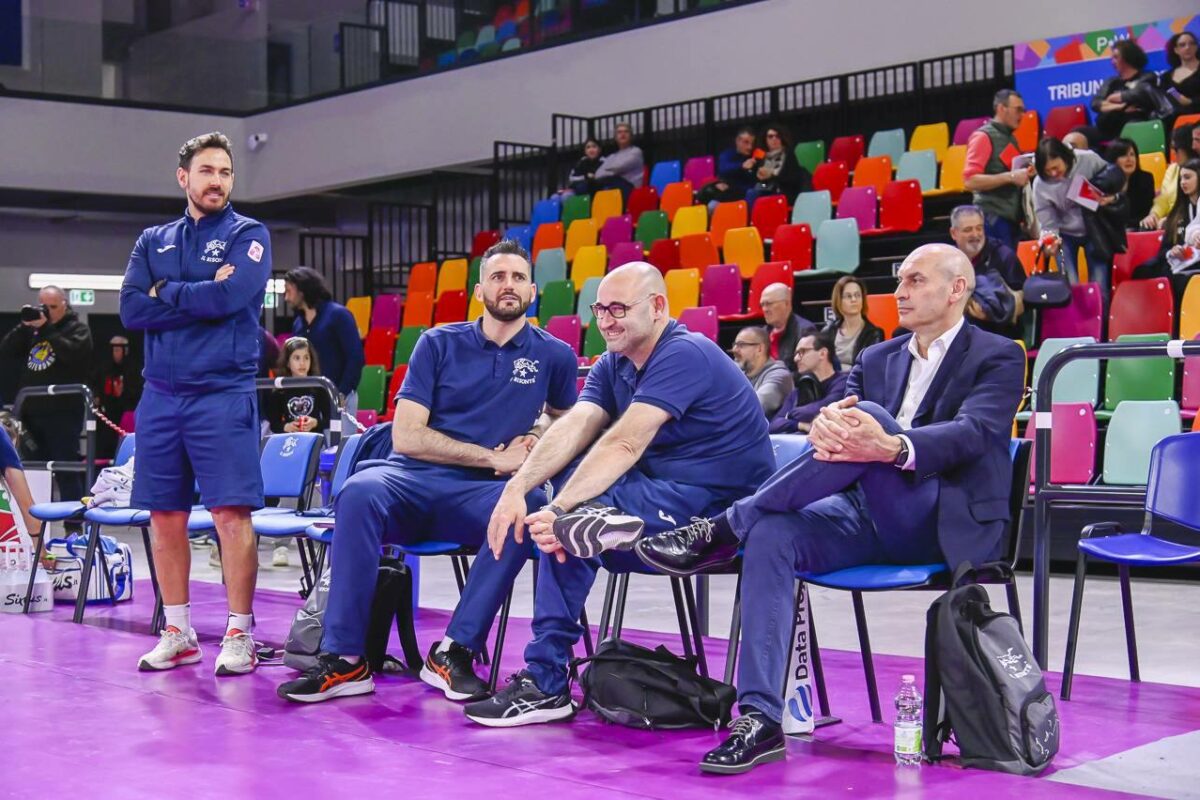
{"type": "Point", "coordinates": [768, 214]}
{"type": "Point", "coordinates": [832, 176]}
{"type": "Point", "coordinates": [1061, 120]}
{"type": "Point", "coordinates": [771, 272]}
{"type": "Point", "coordinates": [482, 241]}
{"type": "Point", "coordinates": [902, 207]}
{"type": "Point", "coordinates": [697, 251]}
{"type": "Point", "coordinates": [379, 346]}
{"type": "Point", "coordinates": [848, 150]}
{"type": "Point", "coordinates": [1141, 307]}
{"type": "Point", "coordinates": [664, 254]}
{"type": "Point", "coordinates": [643, 198]}
{"type": "Point", "coordinates": [793, 243]}
{"type": "Point", "coordinates": [1140, 247]}
{"type": "Point", "coordinates": [451, 307]}
{"type": "Point", "coordinates": [393, 389]}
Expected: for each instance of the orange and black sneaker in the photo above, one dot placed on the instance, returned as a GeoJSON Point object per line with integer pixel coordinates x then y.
{"type": "Point", "coordinates": [450, 670]}
{"type": "Point", "coordinates": [330, 677]}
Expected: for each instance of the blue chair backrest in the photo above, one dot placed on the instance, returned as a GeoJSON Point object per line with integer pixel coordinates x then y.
{"type": "Point", "coordinates": [665, 172]}
{"type": "Point", "coordinates": [506, 31]}
{"type": "Point", "coordinates": [1171, 492]}
{"type": "Point", "coordinates": [548, 210]}
{"type": "Point", "coordinates": [788, 447]}
{"type": "Point", "coordinates": [126, 449]}
{"type": "Point", "coordinates": [522, 234]}
{"type": "Point", "coordinates": [345, 459]}
{"type": "Point", "coordinates": [288, 462]}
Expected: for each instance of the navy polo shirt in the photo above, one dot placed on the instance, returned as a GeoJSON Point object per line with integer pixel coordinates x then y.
{"type": "Point", "coordinates": [717, 434]}
{"type": "Point", "coordinates": [8, 453]}
{"type": "Point", "coordinates": [484, 394]}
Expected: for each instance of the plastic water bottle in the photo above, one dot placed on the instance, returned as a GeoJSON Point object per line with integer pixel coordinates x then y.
{"type": "Point", "coordinates": [907, 730]}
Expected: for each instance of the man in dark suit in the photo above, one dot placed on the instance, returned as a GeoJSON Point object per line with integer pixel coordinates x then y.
{"type": "Point", "coordinates": [785, 327]}
{"type": "Point", "coordinates": [912, 467]}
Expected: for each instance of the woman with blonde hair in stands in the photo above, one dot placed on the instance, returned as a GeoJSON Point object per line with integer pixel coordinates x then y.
{"type": "Point", "coordinates": [852, 331]}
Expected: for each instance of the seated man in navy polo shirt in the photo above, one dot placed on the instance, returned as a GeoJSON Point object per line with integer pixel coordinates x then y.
{"type": "Point", "coordinates": [672, 430]}
{"type": "Point", "coordinates": [476, 397]}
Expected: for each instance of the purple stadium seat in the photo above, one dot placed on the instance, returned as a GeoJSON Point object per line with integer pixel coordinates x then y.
{"type": "Point", "coordinates": [965, 127]}
{"type": "Point", "coordinates": [625, 253]}
{"type": "Point", "coordinates": [385, 313]}
{"type": "Point", "coordinates": [616, 230]}
{"type": "Point", "coordinates": [721, 288]}
{"type": "Point", "coordinates": [700, 170]}
{"type": "Point", "coordinates": [702, 319]}
{"type": "Point", "coordinates": [1081, 318]}
{"type": "Point", "coordinates": [860, 203]}
{"type": "Point", "coordinates": [566, 328]}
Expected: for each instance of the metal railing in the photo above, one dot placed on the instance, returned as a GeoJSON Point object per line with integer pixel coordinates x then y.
{"type": "Point", "coordinates": [1048, 494]}
{"type": "Point", "coordinates": [88, 465]}
{"type": "Point", "coordinates": [310, 382]}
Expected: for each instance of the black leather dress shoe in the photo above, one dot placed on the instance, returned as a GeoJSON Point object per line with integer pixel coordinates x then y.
{"type": "Point", "coordinates": [755, 740]}
{"type": "Point", "coordinates": [695, 547]}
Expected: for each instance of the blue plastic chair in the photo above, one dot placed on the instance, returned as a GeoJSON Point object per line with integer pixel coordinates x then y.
{"type": "Point", "coordinates": [548, 210]}
{"type": "Point", "coordinates": [665, 172]}
{"type": "Point", "coordinates": [890, 143]}
{"type": "Point", "coordinates": [1170, 496]}
{"type": "Point", "coordinates": [522, 234]}
{"type": "Point", "coordinates": [837, 248]}
{"type": "Point", "coordinates": [551, 265]}
{"type": "Point", "coordinates": [919, 166]}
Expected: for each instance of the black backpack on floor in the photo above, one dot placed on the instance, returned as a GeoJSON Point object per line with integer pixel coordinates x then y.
{"type": "Point", "coordinates": [642, 688]}
{"type": "Point", "coordinates": [983, 686]}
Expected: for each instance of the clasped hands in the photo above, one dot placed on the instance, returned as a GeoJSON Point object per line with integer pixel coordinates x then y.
{"type": "Point", "coordinates": [843, 432]}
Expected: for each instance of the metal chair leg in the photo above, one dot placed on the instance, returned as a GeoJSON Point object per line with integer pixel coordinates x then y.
{"type": "Point", "coordinates": [85, 571]}
{"type": "Point", "coordinates": [1127, 610]}
{"type": "Point", "coordinates": [306, 580]}
{"type": "Point", "coordinates": [1014, 603]}
{"type": "Point", "coordinates": [606, 609]}
{"type": "Point", "coordinates": [814, 656]}
{"type": "Point", "coordinates": [735, 632]}
{"type": "Point", "coordinates": [694, 616]}
{"type": "Point", "coordinates": [588, 648]}
{"type": "Point", "coordinates": [155, 618]}
{"type": "Point", "coordinates": [1068, 673]}
{"type": "Point", "coordinates": [864, 642]}
{"type": "Point", "coordinates": [33, 566]}
{"type": "Point", "coordinates": [622, 596]}
{"type": "Point", "coordinates": [680, 616]}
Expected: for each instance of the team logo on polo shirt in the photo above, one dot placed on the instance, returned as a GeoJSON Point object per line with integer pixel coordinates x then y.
{"type": "Point", "coordinates": [41, 357]}
{"type": "Point", "coordinates": [524, 371]}
{"type": "Point", "coordinates": [214, 251]}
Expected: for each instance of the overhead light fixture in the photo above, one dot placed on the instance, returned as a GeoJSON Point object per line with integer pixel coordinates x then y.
{"type": "Point", "coordinates": [76, 280]}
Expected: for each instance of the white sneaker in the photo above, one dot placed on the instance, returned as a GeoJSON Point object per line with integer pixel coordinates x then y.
{"type": "Point", "coordinates": [238, 655]}
{"type": "Point", "coordinates": [280, 557]}
{"type": "Point", "coordinates": [214, 556]}
{"type": "Point", "coordinates": [174, 649]}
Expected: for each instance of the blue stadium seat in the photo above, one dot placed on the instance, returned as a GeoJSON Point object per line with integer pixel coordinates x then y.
{"type": "Point", "coordinates": [665, 172]}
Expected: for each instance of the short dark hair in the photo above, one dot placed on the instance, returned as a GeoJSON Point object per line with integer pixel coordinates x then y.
{"type": "Point", "coordinates": [1131, 53]}
{"type": "Point", "coordinates": [1001, 98]}
{"type": "Point", "coordinates": [1181, 139]}
{"type": "Point", "coordinates": [204, 142]}
{"type": "Point", "coordinates": [824, 340]}
{"type": "Point", "coordinates": [1050, 148]}
{"type": "Point", "coordinates": [310, 283]}
{"type": "Point", "coordinates": [760, 333]}
{"type": "Point", "coordinates": [284, 370]}
{"type": "Point", "coordinates": [1172, 56]}
{"type": "Point", "coordinates": [505, 247]}
{"type": "Point", "coordinates": [1121, 147]}
{"type": "Point", "coordinates": [745, 129]}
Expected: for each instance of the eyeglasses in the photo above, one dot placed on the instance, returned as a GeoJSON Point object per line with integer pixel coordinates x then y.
{"type": "Point", "coordinates": [737, 345]}
{"type": "Point", "coordinates": [803, 351]}
{"type": "Point", "coordinates": [615, 310]}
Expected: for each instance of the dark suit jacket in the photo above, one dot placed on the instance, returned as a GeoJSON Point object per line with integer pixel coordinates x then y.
{"type": "Point", "coordinates": [796, 329]}
{"type": "Point", "coordinates": [960, 433]}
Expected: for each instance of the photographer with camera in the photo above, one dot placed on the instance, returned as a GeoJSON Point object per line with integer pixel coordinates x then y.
{"type": "Point", "coordinates": [56, 347]}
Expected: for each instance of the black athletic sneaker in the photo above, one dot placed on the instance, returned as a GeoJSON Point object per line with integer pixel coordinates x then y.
{"type": "Point", "coordinates": [521, 702]}
{"type": "Point", "coordinates": [591, 529]}
{"type": "Point", "coordinates": [451, 671]}
{"type": "Point", "coordinates": [330, 677]}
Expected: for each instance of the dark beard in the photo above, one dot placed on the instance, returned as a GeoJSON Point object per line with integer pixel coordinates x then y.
{"type": "Point", "coordinates": [504, 314]}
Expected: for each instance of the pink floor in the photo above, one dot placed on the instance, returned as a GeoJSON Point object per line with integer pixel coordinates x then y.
{"type": "Point", "coordinates": [81, 721]}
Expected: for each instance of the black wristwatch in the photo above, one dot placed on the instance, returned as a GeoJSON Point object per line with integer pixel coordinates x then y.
{"type": "Point", "coordinates": [901, 457]}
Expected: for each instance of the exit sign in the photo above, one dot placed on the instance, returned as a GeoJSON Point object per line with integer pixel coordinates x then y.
{"type": "Point", "coordinates": [83, 297]}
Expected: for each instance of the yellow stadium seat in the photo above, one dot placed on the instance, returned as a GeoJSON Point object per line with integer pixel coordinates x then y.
{"type": "Point", "coordinates": [935, 137]}
{"type": "Point", "coordinates": [744, 247]}
{"type": "Point", "coordinates": [582, 233]}
{"type": "Point", "coordinates": [1156, 165]}
{"type": "Point", "coordinates": [605, 204]}
{"type": "Point", "coordinates": [689, 220]}
{"type": "Point", "coordinates": [474, 309]}
{"type": "Point", "coordinates": [452, 276]}
{"type": "Point", "coordinates": [1189, 312]}
{"type": "Point", "coordinates": [360, 307]}
{"type": "Point", "coordinates": [591, 261]}
{"type": "Point", "coordinates": [683, 290]}
{"type": "Point", "coordinates": [953, 162]}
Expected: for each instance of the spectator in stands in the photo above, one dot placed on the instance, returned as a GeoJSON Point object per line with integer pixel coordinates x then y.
{"type": "Point", "coordinates": [1058, 215]}
{"type": "Point", "coordinates": [195, 286]}
{"type": "Point", "coordinates": [779, 172]}
{"type": "Point", "coordinates": [624, 168]}
{"type": "Point", "coordinates": [737, 171]}
{"type": "Point", "coordinates": [1139, 184]}
{"type": "Point", "coordinates": [582, 179]}
{"type": "Point", "coordinates": [999, 309]}
{"type": "Point", "coordinates": [298, 410]}
{"type": "Point", "coordinates": [784, 326]}
{"type": "Point", "coordinates": [332, 330]}
{"type": "Point", "coordinates": [1185, 145]}
{"type": "Point", "coordinates": [1081, 138]}
{"type": "Point", "coordinates": [820, 382]}
{"type": "Point", "coordinates": [476, 397]}
{"type": "Point", "coordinates": [772, 381]}
{"type": "Point", "coordinates": [20, 498]}
{"type": "Point", "coordinates": [116, 389]}
{"type": "Point", "coordinates": [851, 329]}
{"type": "Point", "coordinates": [56, 347]}
{"type": "Point", "coordinates": [988, 172]}
{"type": "Point", "coordinates": [911, 467]}
{"type": "Point", "coordinates": [1128, 96]}
{"type": "Point", "coordinates": [1178, 232]}
{"type": "Point", "coordinates": [1181, 81]}
{"type": "Point", "coordinates": [268, 353]}
{"type": "Point", "coordinates": [667, 428]}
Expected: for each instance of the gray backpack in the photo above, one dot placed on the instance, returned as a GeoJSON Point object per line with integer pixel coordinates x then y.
{"type": "Point", "coordinates": [983, 687]}
{"type": "Point", "coordinates": [304, 638]}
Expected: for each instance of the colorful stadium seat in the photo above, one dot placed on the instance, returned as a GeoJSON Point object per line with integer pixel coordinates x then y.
{"type": "Point", "coordinates": [675, 196]}
{"type": "Point", "coordinates": [616, 230]}
{"type": "Point", "coordinates": [702, 320]}
{"type": "Point", "coordinates": [1141, 307]}
{"type": "Point", "coordinates": [642, 199]}
{"type": "Point", "coordinates": [606, 204]}
{"type": "Point", "coordinates": [450, 307]}
{"type": "Point", "coordinates": [810, 154]}
{"type": "Point", "coordinates": [744, 247]}
{"type": "Point", "coordinates": [721, 288]}
{"type": "Point", "coordinates": [590, 261]}
{"type": "Point", "coordinates": [385, 313]}
{"type": "Point", "coordinates": [379, 346]}
{"type": "Point", "coordinates": [1156, 165]}
{"type": "Point", "coordinates": [882, 311]}
{"type": "Point", "coordinates": [418, 309]}
{"type": "Point", "coordinates": [860, 203]}
{"type": "Point", "coordinates": [664, 254]}
{"type": "Point", "coordinates": [1148, 135]}
{"type": "Point", "coordinates": [452, 276]}
{"type": "Point", "coordinates": [360, 309]}
{"type": "Point", "coordinates": [848, 150]}
{"type": "Point", "coordinates": [582, 233]}
{"type": "Point", "coordinates": [587, 296]}
{"type": "Point", "coordinates": [422, 277]}
{"type": "Point", "coordinates": [567, 329]}
{"type": "Point", "coordinates": [689, 220]}
{"type": "Point", "coordinates": [1082, 317]}
{"type": "Point", "coordinates": [1126, 379]}
{"type": "Point", "coordinates": [1026, 133]}
{"type": "Point", "coordinates": [770, 211]}
{"type": "Point", "coordinates": [951, 176]}
{"type": "Point", "coordinates": [576, 207]}
{"type": "Point", "coordinates": [549, 234]}
{"type": "Point", "coordinates": [406, 342]}
{"type": "Point", "coordinates": [1140, 246]}
{"type": "Point", "coordinates": [625, 253]}
{"type": "Point", "coordinates": [793, 243]}
{"type": "Point", "coordinates": [831, 177]}
{"type": "Point", "coordinates": [935, 136]}
{"type": "Point", "coordinates": [652, 226]}
{"type": "Point", "coordinates": [873, 171]}
{"type": "Point", "coordinates": [837, 247]}
{"type": "Point", "coordinates": [812, 208]}
{"type": "Point", "coordinates": [919, 166]}
{"type": "Point", "coordinates": [888, 143]}
{"type": "Point", "coordinates": [522, 234]}
{"type": "Point", "coordinates": [965, 127]}
{"type": "Point", "coordinates": [1061, 120]}
{"type": "Point", "coordinates": [1189, 310]}
{"type": "Point", "coordinates": [768, 273]}
{"type": "Point", "coordinates": [725, 217]}
{"type": "Point", "coordinates": [550, 265]}
{"type": "Point", "coordinates": [371, 386]}
{"type": "Point", "coordinates": [697, 251]}
{"type": "Point", "coordinates": [557, 300]}
{"type": "Point", "coordinates": [664, 173]}
{"type": "Point", "coordinates": [700, 170]}
{"type": "Point", "coordinates": [1135, 427]}
{"type": "Point", "coordinates": [548, 210]}
{"type": "Point", "coordinates": [901, 208]}
{"type": "Point", "coordinates": [482, 241]}
{"type": "Point", "coordinates": [683, 289]}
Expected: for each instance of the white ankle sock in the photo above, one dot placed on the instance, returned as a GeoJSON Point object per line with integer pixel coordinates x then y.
{"type": "Point", "coordinates": [179, 617]}
{"type": "Point", "coordinates": [445, 645]}
{"type": "Point", "coordinates": [242, 622]}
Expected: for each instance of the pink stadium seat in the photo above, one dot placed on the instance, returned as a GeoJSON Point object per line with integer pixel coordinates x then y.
{"type": "Point", "coordinates": [721, 288]}
{"type": "Point", "coordinates": [367, 417]}
{"type": "Point", "coordinates": [616, 230]}
{"type": "Point", "coordinates": [625, 253]}
{"type": "Point", "coordinates": [1083, 317]}
{"type": "Point", "coordinates": [965, 127]}
{"type": "Point", "coordinates": [1072, 442]}
{"type": "Point", "coordinates": [702, 319]}
{"type": "Point", "coordinates": [385, 313]}
{"type": "Point", "coordinates": [1189, 402]}
{"type": "Point", "coordinates": [860, 204]}
{"type": "Point", "coordinates": [700, 170]}
{"type": "Point", "coordinates": [565, 328]}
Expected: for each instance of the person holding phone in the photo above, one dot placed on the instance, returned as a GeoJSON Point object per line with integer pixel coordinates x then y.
{"type": "Point", "coordinates": [1181, 81]}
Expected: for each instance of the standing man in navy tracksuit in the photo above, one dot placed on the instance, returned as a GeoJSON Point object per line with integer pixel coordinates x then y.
{"type": "Point", "coordinates": [196, 287]}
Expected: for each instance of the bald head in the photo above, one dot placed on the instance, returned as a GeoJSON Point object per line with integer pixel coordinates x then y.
{"type": "Point", "coordinates": [936, 282]}
{"type": "Point", "coordinates": [634, 312]}
{"type": "Point", "coordinates": [776, 301]}
{"type": "Point", "coordinates": [636, 277]}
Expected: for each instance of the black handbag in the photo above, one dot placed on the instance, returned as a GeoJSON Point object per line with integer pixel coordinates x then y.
{"type": "Point", "coordinates": [1046, 289]}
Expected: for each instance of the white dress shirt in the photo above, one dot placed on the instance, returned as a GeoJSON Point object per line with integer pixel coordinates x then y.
{"type": "Point", "coordinates": [920, 376]}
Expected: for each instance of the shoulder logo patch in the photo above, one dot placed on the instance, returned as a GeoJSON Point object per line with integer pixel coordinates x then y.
{"type": "Point", "coordinates": [255, 252]}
